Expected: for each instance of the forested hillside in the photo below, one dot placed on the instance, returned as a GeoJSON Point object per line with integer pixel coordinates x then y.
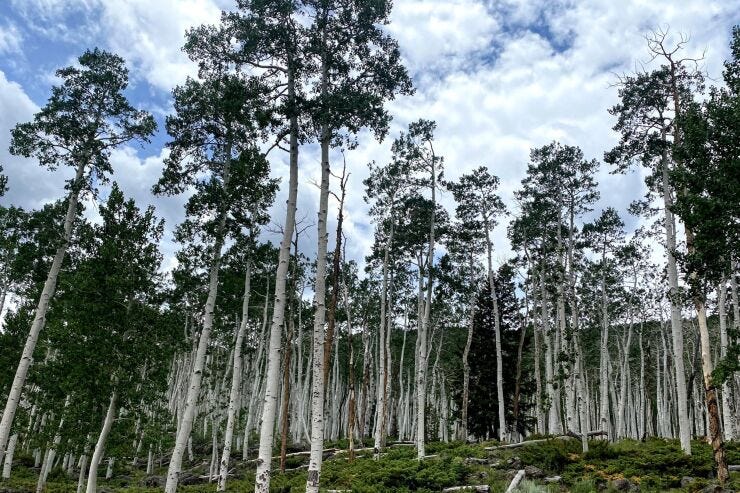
{"type": "Point", "coordinates": [590, 355]}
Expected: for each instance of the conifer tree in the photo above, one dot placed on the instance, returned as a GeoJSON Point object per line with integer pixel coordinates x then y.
{"type": "Point", "coordinates": [86, 117]}
{"type": "Point", "coordinates": [214, 151]}
{"type": "Point", "coordinates": [477, 201]}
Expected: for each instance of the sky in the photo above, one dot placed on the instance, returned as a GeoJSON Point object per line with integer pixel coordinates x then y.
{"type": "Point", "coordinates": [498, 77]}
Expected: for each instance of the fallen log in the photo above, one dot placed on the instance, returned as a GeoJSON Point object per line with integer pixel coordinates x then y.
{"type": "Point", "coordinates": [733, 468]}
{"type": "Point", "coordinates": [515, 482]}
{"type": "Point", "coordinates": [594, 433]}
{"type": "Point", "coordinates": [478, 488]}
{"type": "Point", "coordinates": [306, 452]}
{"type": "Point", "coordinates": [529, 442]}
{"type": "Point", "coordinates": [346, 451]}
{"type": "Point", "coordinates": [568, 436]}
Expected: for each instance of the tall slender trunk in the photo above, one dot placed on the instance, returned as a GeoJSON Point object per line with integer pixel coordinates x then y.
{"type": "Point", "coordinates": [196, 377]}
{"type": "Point", "coordinates": [624, 366]}
{"type": "Point", "coordinates": [421, 357]}
{"type": "Point", "coordinates": [552, 418]}
{"type": "Point", "coordinates": [351, 406]}
{"type": "Point", "coordinates": [236, 381]}
{"type": "Point", "coordinates": [537, 354]}
{"type": "Point", "coordinates": [284, 411]}
{"type": "Point", "coordinates": [518, 381]}
{"type": "Point", "coordinates": [710, 391]}
{"type": "Point", "coordinates": [16, 388]}
{"type": "Point", "coordinates": [727, 405]}
{"type": "Point", "coordinates": [51, 452]}
{"type": "Point", "coordinates": [466, 364]}
{"type": "Point", "coordinates": [331, 314]}
{"type": "Point", "coordinates": [92, 477]}
{"type": "Point", "coordinates": [272, 377]}
{"type": "Point", "coordinates": [83, 466]}
{"type": "Point", "coordinates": [684, 427]}
{"type": "Point", "coordinates": [317, 387]}
{"type": "Point", "coordinates": [8, 464]}
{"type": "Point", "coordinates": [382, 357]}
{"type": "Point", "coordinates": [502, 432]}
{"type": "Point", "coordinates": [604, 421]}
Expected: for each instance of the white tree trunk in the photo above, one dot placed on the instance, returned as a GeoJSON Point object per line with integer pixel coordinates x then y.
{"type": "Point", "coordinates": [421, 356]}
{"type": "Point", "coordinates": [83, 472]}
{"type": "Point", "coordinates": [109, 470]}
{"type": "Point", "coordinates": [382, 354]}
{"type": "Point", "coordinates": [272, 377]}
{"type": "Point", "coordinates": [466, 368]}
{"type": "Point", "coordinates": [497, 329]}
{"type": "Point", "coordinates": [8, 464]}
{"type": "Point", "coordinates": [727, 410]}
{"type": "Point", "coordinates": [14, 396]}
{"type": "Point", "coordinates": [684, 427]}
{"type": "Point", "coordinates": [92, 478]}
{"type": "Point", "coordinates": [196, 377]}
{"type": "Point", "coordinates": [236, 376]}
{"type": "Point", "coordinates": [604, 356]}
{"type": "Point", "coordinates": [317, 387]}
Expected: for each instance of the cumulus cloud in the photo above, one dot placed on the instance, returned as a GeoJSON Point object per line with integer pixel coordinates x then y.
{"type": "Point", "coordinates": [499, 77]}
{"type": "Point", "coordinates": [10, 39]}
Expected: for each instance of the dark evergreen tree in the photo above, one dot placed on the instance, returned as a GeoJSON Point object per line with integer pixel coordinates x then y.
{"type": "Point", "coordinates": [483, 408]}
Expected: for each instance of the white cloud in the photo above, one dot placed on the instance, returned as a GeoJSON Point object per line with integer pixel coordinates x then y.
{"type": "Point", "coordinates": [10, 39]}
{"type": "Point", "coordinates": [499, 77]}
{"type": "Point", "coordinates": [30, 185]}
{"type": "Point", "coordinates": [439, 33]}
{"type": "Point", "coordinates": [150, 34]}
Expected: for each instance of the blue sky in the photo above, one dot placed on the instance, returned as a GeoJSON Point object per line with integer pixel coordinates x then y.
{"type": "Point", "coordinates": [499, 77]}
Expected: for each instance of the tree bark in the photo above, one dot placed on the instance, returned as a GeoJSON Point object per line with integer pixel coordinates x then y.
{"type": "Point", "coordinates": [16, 388]}
{"type": "Point", "coordinates": [684, 427]}
{"type": "Point", "coordinates": [92, 477]}
{"type": "Point", "coordinates": [272, 377]}
{"type": "Point", "coordinates": [382, 357]}
{"type": "Point", "coordinates": [8, 464]}
{"type": "Point", "coordinates": [497, 329]}
{"type": "Point", "coordinates": [421, 357]}
{"type": "Point", "coordinates": [317, 390]}
{"type": "Point", "coordinates": [466, 363]}
{"type": "Point", "coordinates": [236, 378]}
{"type": "Point", "coordinates": [727, 410]}
{"type": "Point", "coordinates": [196, 377]}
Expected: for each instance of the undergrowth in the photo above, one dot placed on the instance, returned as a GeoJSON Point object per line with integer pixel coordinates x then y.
{"type": "Point", "coordinates": [651, 465]}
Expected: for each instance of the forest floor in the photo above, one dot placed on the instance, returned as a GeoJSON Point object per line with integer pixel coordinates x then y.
{"type": "Point", "coordinates": [551, 466]}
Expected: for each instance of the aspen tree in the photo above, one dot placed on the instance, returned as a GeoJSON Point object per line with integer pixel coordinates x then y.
{"type": "Point", "coordinates": [86, 117]}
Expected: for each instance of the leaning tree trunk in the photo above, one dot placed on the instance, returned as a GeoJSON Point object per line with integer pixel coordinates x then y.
{"type": "Point", "coordinates": [51, 452]}
{"type": "Point", "coordinates": [236, 381]}
{"type": "Point", "coordinates": [92, 477]}
{"type": "Point", "coordinates": [710, 391]}
{"type": "Point", "coordinates": [7, 466]}
{"type": "Point", "coordinates": [14, 396]}
{"type": "Point", "coordinates": [272, 377]}
{"type": "Point", "coordinates": [188, 415]}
